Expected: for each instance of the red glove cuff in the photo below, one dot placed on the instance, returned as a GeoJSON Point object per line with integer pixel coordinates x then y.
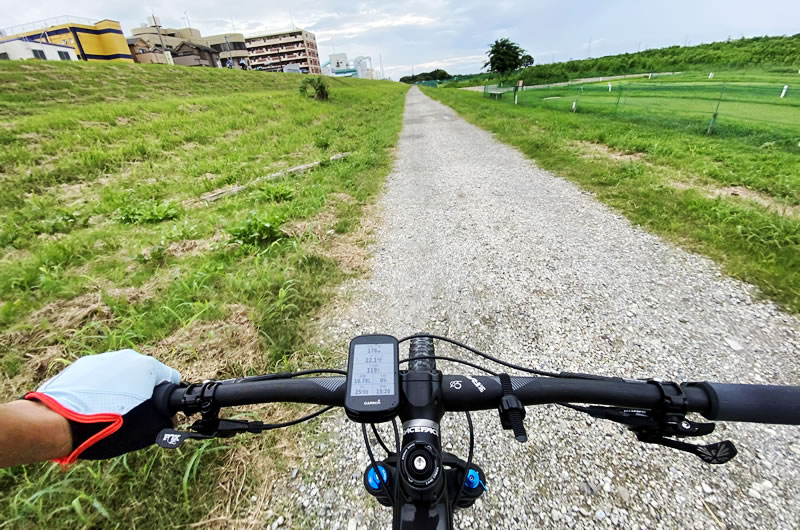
{"type": "Point", "coordinates": [114, 423]}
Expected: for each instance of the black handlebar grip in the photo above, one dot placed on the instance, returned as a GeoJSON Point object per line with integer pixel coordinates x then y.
{"type": "Point", "coordinates": [753, 403]}
{"type": "Point", "coordinates": [161, 397]}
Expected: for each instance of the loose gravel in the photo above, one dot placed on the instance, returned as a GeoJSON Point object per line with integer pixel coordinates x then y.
{"type": "Point", "coordinates": [481, 245]}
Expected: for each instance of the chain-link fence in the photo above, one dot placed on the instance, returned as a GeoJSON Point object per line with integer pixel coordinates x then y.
{"type": "Point", "coordinates": [764, 111]}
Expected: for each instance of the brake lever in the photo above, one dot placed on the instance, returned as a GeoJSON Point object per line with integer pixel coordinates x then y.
{"type": "Point", "coordinates": [172, 439]}
{"type": "Point", "coordinates": [716, 453]}
{"type": "Point", "coordinates": [654, 428]}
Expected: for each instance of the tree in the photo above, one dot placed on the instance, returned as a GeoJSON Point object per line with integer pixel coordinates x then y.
{"type": "Point", "coordinates": [505, 56]}
{"type": "Point", "coordinates": [527, 60]}
{"type": "Point", "coordinates": [435, 75]}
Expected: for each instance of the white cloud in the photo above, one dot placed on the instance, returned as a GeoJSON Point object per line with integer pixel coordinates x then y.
{"type": "Point", "coordinates": [454, 61]}
{"type": "Point", "coordinates": [444, 64]}
{"type": "Point", "coordinates": [352, 29]}
{"type": "Point", "coordinates": [406, 32]}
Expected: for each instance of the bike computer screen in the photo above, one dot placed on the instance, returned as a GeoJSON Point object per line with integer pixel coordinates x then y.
{"type": "Point", "coordinates": [373, 379]}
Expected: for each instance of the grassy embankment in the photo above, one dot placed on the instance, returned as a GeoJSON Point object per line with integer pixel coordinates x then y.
{"type": "Point", "coordinates": [732, 196]}
{"type": "Point", "coordinates": [766, 54]}
{"type": "Point", "coordinates": [104, 244]}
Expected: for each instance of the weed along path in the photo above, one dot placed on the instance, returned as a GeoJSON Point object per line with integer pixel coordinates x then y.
{"type": "Point", "coordinates": [479, 244]}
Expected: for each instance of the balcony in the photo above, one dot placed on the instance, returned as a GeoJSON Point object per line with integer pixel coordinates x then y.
{"type": "Point", "coordinates": [280, 54]}
{"type": "Point", "coordinates": [279, 49]}
{"type": "Point", "coordinates": [263, 41]}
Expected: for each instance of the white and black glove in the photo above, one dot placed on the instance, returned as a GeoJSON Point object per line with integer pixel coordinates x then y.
{"type": "Point", "coordinates": [107, 399]}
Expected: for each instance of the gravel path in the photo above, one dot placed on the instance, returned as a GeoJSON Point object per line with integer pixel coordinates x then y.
{"type": "Point", "coordinates": [480, 244]}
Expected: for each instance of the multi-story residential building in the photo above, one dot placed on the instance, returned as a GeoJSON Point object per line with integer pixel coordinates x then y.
{"type": "Point", "coordinates": [272, 51]}
{"type": "Point", "coordinates": [228, 45]}
{"type": "Point", "coordinates": [165, 38]}
{"type": "Point", "coordinates": [92, 41]}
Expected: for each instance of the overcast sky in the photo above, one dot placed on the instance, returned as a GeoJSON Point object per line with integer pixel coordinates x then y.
{"type": "Point", "coordinates": [453, 35]}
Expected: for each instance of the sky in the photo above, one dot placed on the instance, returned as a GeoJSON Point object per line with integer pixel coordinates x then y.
{"type": "Point", "coordinates": [453, 35]}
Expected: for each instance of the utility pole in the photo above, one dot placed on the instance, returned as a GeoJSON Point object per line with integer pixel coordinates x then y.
{"type": "Point", "coordinates": [228, 48]}
{"type": "Point", "coordinates": [380, 56]}
{"type": "Point", "coordinates": [157, 24]}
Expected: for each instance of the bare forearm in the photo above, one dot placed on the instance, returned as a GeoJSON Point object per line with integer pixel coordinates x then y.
{"type": "Point", "coordinates": [30, 432]}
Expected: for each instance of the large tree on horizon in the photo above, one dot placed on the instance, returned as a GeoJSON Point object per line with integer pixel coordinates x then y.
{"type": "Point", "coordinates": [506, 56]}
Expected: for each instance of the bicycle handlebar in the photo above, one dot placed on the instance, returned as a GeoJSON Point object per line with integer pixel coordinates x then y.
{"type": "Point", "coordinates": [753, 403]}
{"type": "Point", "coordinates": [715, 401]}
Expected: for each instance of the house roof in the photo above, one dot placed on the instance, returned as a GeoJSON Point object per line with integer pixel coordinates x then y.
{"type": "Point", "coordinates": [197, 46]}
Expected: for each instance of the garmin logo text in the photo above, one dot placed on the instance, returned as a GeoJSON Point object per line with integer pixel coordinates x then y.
{"type": "Point", "coordinates": [477, 384]}
{"type": "Point", "coordinates": [376, 402]}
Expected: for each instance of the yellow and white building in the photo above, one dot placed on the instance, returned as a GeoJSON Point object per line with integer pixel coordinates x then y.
{"type": "Point", "coordinates": [92, 41]}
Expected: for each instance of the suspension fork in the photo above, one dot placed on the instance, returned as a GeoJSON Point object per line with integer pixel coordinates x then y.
{"type": "Point", "coordinates": [422, 489]}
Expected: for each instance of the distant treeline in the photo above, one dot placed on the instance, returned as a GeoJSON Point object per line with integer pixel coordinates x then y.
{"type": "Point", "coordinates": [435, 75]}
{"type": "Point", "coordinates": [780, 53]}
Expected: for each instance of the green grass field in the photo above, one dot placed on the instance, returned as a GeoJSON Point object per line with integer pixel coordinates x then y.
{"type": "Point", "coordinates": [733, 195]}
{"type": "Point", "coordinates": [748, 104]}
{"type": "Point", "coordinates": [105, 244]}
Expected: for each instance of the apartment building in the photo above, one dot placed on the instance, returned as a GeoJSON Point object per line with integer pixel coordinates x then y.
{"type": "Point", "coordinates": [273, 51]}
{"type": "Point", "coordinates": [229, 46]}
{"type": "Point", "coordinates": [91, 41]}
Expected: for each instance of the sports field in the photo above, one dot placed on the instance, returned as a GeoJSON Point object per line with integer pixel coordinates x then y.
{"type": "Point", "coordinates": [745, 104]}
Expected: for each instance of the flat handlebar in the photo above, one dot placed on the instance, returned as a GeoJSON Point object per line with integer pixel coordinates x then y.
{"type": "Point", "coordinates": [715, 401]}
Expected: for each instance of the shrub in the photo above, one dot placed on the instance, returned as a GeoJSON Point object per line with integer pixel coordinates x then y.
{"type": "Point", "coordinates": [276, 193]}
{"type": "Point", "coordinates": [315, 87]}
{"type": "Point", "coordinates": [257, 229]}
{"type": "Point", "coordinates": [148, 211]}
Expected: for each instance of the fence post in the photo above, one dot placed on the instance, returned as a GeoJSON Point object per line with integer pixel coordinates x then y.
{"type": "Point", "coordinates": [716, 110]}
{"type": "Point", "coordinates": [619, 96]}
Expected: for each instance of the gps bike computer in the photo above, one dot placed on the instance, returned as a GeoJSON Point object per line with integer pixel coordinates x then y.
{"type": "Point", "coordinates": [373, 379]}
